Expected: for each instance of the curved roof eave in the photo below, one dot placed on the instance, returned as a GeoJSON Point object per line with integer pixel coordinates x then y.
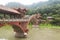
{"type": "Point", "coordinates": [8, 10]}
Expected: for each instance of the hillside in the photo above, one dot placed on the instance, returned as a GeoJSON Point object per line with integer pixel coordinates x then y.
{"type": "Point", "coordinates": [14, 5]}
{"type": "Point", "coordinates": [34, 5]}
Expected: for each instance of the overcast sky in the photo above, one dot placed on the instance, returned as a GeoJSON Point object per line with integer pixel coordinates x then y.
{"type": "Point", "coordinates": [25, 2]}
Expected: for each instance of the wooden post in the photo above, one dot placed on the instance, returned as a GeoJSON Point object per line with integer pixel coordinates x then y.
{"type": "Point", "coordinates": [4, 16]}
{"type": "Point", "coordinates": [10, 16]}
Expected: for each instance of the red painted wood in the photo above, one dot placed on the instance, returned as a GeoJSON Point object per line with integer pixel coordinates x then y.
{"type": "Point", "coordinates": [22, 25]}
{"type": "Point", "coordinates": [1, 25]}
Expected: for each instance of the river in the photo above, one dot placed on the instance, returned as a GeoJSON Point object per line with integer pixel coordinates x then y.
{"type": "Point", "coordinates": [34, 34]}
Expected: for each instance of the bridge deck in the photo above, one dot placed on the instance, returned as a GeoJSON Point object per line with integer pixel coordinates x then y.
{"type": "Point", "coordinates": [26, 18]}
{"type": "Point", "coordinates": [13, 20]}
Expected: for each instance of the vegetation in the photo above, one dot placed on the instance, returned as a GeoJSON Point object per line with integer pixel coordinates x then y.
{"type": "Point", "coordinates": [50, 8]}
{"type": "Point", "coordinates": [48, 26]}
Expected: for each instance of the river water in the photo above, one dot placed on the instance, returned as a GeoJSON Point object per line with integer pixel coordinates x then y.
{"type": "Point", "coordinates": [34, 34]}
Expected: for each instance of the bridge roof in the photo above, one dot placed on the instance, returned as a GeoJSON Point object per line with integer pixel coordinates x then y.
{"type": "Point", "coordinates": [4, 9]}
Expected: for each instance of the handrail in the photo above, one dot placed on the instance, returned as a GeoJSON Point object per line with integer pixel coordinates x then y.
{"type": "Point", "coordinates": [13, 20]}
{"type": "Point", "coordinates": [8, 20]}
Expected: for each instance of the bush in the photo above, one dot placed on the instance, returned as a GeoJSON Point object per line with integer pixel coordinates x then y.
{"type": "Point", "coordinates": [56, 21]}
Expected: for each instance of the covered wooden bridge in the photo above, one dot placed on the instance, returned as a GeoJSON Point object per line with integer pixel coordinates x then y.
{"type": "Point", "coordinates": [14, 17]}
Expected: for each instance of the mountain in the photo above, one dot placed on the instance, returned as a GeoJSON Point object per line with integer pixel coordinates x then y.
{"type": "Point", "coordinates": [17, 5]}
{"type": "Point", "coordinates": [14, 5]}
{"type": "Point", "coordinates": [33, 6]}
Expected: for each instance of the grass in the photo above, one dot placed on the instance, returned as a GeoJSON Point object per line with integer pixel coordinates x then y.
{"type": "Point", "coordinates": [8, 27]}
{"type": "Point", "coordinates": [48, 26]}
